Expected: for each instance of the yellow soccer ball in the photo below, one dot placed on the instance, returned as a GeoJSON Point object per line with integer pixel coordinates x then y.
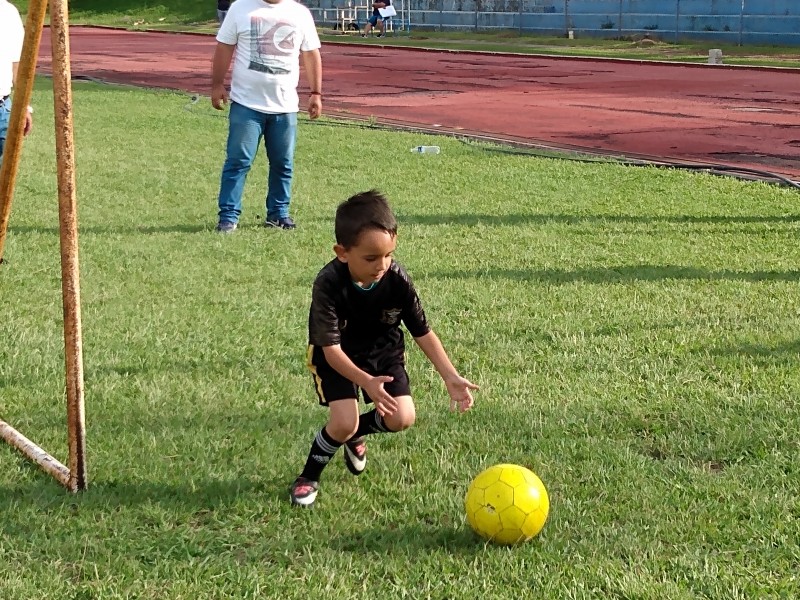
{"type": "Point", "coordinates": [507, 504]}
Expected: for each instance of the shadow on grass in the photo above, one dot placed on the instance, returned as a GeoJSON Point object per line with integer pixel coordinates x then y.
{"type": "Point", "coordinates": [779, 354]}
{"type": "Point", "coordinates": [521, 219]}
{"type": "Point", "coordinates": [408, 540]}
{"type": "Point", "coordinates": [176, 525]}
{"type": "Point", "coordinates": [44, 493]}
{"type": "Point", "coordinates": [155, 364]}
{"type": "Point", "coordinates": [621, 274]}
{"type": "Point", "coordinates": [205, 228]}
{"type": "Point", "coordinates": [467, 220]}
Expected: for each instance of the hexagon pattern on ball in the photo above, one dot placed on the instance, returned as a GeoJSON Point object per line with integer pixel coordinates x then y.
{"type": "Point", "coordinates": [507, 504]}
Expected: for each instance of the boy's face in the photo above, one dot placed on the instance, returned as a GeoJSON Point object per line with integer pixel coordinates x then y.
{"type": "Point", "coordinates": [370, 258]}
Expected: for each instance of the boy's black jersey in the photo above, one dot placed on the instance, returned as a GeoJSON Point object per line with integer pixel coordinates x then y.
{"type": "Point", "coordinates": [366, 323]}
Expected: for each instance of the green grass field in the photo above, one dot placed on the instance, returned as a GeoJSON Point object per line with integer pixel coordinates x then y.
{"type": "Point", "coordinates": [634, 332]}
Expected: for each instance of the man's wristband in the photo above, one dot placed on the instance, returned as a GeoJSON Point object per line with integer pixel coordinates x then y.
{"type": "Point", "coordinates": [30, 110]}
{"type": "Point", "coordinates": [316, 94]}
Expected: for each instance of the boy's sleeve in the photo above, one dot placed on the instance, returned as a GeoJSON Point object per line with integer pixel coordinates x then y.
{"type": "Point", "coordinates": [413, 315]}
{"type": "Point", "coordinates": [323, 322]}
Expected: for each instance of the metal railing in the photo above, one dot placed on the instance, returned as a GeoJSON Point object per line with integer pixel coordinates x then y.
{"type": "Point", "coordinates": [731, 21]}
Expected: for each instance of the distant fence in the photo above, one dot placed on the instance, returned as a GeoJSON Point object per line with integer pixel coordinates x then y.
{"type": "Point", "coordinates": [766, 22]}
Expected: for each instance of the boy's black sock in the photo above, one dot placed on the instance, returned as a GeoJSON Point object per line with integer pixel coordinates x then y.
{"type": "Point", "coordinates": [322, 450]}
{"type": "Point", "coordinates": [370, 422]}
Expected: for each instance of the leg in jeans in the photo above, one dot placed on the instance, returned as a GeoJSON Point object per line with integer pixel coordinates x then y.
{"type": "Point", "coordinates": [279, 139]}
{"type": "Point", "coordinates": [245, 129]}
{"type": "Point", "coordinates": [5, 113]}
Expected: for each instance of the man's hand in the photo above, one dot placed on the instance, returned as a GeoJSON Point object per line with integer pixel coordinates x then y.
{"type": "Point", "coordinates": [223, 54]}
{"type": "Point", "coordinates": [459, 390]}
{"type": "Point", "coordinates": [384, 402]}
{"type": "Point", "coordinates": [219, 97]}
{"type": "Point", "coordinates": [314, 106]}
{"type": "Point", "coordinates": [28, 123]}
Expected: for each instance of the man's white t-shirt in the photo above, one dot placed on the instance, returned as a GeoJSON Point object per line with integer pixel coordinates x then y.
{"type": "Point", "coordinates": [11, 36]}
{"type": "Point", "coordinates": [268, 39]}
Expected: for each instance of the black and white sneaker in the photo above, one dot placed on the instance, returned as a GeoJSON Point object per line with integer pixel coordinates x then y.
{"type": "Point", "coordinates": [355, 456]}
{"type": "Point", "coordinates": [304, 492]}
{"type": "Point", "coordinates": [280, 223]}
{"type": "Point", "coordinates": [225, 227]}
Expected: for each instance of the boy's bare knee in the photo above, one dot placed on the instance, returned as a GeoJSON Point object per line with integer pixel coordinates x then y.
{"type": "Point", "coordinates": [405, 416]}
{"type": "Point", "coordinates": [404, 422]}
{"type": "Point", "coordinates": [341, 431]}
{"type": "Point", "coordinates": [343, 420]}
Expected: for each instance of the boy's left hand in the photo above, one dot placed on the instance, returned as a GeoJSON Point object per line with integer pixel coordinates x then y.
{"type": "Point", "coordinates": [459, 389]}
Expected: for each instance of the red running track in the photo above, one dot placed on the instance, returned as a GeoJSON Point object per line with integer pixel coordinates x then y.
{"type": "Point", "coordinates": [736, 116]}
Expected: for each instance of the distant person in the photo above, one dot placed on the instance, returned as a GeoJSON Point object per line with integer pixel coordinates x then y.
{"type": "Point", "coordinates": [12, 34]}
{"type": "Point", "coordinates": [222, 9]}
{"type": "Point", "coordinates": [359, 300]}
{"type": "Point", "coordinates": [377, 18]}
{"type": "Point", "coordinates": [269, 37]}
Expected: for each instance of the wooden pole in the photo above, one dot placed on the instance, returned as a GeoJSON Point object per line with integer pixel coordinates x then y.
{"type": "Point", "coordinates": [22, 98]}
{"type": "Point", "coordinates": [68, 226]}
{"type": "Point", "coordinates": [35, 453]}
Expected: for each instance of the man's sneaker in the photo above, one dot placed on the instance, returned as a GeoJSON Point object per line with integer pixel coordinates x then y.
{"type": "Point", "coordinates": [363, 35]}
{"type": "Point", "coordinates": [304, 492]}
{"type": "Point", "coordinates": [355, 456]}
{"type": "Point", "coordinates": [280, 223]}
{"type": "Point", "coordinates": [379, 35]}
{"type": "Point", "coordinates": [225, 227]}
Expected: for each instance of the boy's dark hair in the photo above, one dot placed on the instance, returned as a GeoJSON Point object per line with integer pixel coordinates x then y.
{"type": "Point", "coordinates": [367, 210]}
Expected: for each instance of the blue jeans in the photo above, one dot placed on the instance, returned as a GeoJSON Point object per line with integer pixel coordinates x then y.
{"type": "Point", "coordinates": [5, 113]}
{"type": "Point", "coordinates": [246, 127]}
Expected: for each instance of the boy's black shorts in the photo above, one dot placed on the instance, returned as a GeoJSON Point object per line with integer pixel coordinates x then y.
{"type": "Point", "coordinates": [331, 386]}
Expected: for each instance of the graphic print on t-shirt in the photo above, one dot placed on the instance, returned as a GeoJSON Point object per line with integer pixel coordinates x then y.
{"type": "Point", "coordinates": [391, 316]}
{"type": "Point", "coordinates": [271, 44]}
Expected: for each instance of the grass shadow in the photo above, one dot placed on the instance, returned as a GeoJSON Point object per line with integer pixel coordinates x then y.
{"type": "Point", "coordinates": [204, 228]}
{"type": "Point", "coordinates": [473, 219]}
{"type": "Point", "coordinates": [621, 274]}
{"type": "Point", "coordinates": [408, 540]}
{"type": "Point", "coordinates": [779, 354]}
{"type": "Point", "coordinates": [46, 494]}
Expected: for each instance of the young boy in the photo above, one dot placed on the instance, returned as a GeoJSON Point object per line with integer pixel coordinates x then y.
{"type": "Point", "coordinates": [355, 341]}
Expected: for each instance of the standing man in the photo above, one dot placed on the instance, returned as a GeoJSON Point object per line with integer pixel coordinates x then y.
{"type": "Point", "coordinates": [377, 18]}
{"type": "Point", "coordinates": [269, 37]}
{"type": "Point", "coordinates": [222, 9]}
{"type": "Point", "coordinates": [11, 37]}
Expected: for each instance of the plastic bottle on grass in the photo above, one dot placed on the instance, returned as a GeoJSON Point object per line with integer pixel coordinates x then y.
{"type": "Point", "coordinates": [426, 149]}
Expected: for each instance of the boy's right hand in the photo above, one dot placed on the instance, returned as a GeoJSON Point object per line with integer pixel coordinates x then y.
{"type": "Point", "coordinates": [384, 402]}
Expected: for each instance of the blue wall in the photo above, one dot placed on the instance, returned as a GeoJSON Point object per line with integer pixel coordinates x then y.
{"type": "Point", "coordinates": [761, 22]}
